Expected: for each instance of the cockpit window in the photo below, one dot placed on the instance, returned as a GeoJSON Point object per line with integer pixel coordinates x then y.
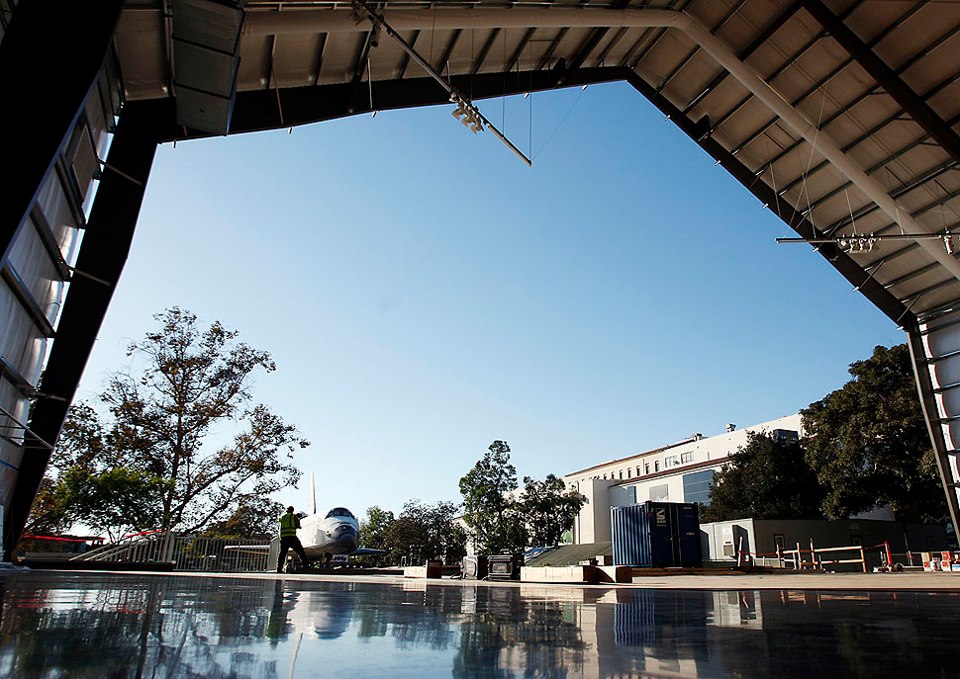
{"type": "Point", "coordinates": [340, 511]}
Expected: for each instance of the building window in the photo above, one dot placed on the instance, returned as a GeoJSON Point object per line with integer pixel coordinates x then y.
{"type": "Point", "coordinates": [621, 473]}
{"type": "Point", "coordinates": [670, 461]}
{"type": "Point", "coordinates": [696, 486]}
{"type": "Point", "coordinates": [656, 465]}
{"type": "Point", "coordinates": [646, 467]}
{"type": "Point", "coordinates": [686, 457]}
{"type": "Point", "coordinates": [629, 472]}
{"type": "Point", "coordinates": [660, 493]}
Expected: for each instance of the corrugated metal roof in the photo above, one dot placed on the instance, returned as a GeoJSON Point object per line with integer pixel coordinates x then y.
{"type": "Point", "coordinates": [875, 81]}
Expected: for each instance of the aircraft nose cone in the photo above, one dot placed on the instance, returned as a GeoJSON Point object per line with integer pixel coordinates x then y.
{"type": "Point", "coordinates": [346, 539]}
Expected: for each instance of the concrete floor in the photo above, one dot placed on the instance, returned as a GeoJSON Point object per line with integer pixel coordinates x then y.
{"type": "Point", "coordinates": [97, 624]}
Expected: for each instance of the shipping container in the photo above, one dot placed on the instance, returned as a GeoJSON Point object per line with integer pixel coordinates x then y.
{"type": "Point", "coordinates": [656, 535]}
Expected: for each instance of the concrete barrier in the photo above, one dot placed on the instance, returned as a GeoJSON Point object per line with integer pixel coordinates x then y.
{"type": "Point", "coordinates": [432, 569]}
{"type": "Point", "coordinates": [614, 574]}
{"type": "Point", "coordinates": [566, 574]}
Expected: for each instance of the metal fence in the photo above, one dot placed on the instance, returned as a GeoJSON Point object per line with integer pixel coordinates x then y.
{"type": "Point", "coordinates": [185, 552]}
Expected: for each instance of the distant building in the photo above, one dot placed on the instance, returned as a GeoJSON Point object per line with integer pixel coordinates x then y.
{"type": "Point", "coordinates": [679, 472]}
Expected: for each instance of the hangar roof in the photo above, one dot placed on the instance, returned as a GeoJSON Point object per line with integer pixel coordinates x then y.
{"type": "Point", "coordinates": [840, 116]}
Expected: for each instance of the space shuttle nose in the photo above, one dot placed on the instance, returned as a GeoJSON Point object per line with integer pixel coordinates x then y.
{"type": "Point", "coordinates": [347, 539]}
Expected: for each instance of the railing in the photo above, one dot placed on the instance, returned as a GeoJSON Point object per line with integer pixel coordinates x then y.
{"type": "Point", "coordinates": [186, 552]}
{"type": "Point", "coordinates": [855, 554]}
{"type": "Point", "coordinates": [814, 558]}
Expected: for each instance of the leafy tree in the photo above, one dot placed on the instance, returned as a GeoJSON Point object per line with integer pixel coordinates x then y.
{"type": "Point", "coordinates": [373, 529]}
{"type": "Point", "coordinates": [48, 515]}
{"type": "Point", "coordinates": [425, 532]}
{"type": "Point", "coordinates": [868, 442]}
{"type": "Point", "coordinates": [445, 539]}
{"type": "Point", "coordinates": [490, 512]}
{"type": "Point", "coordinates": [190, 382]}
{"type": "Point", "coordinates": [254, 517]}
{"type": "Point", "coordinates": [768, 478]}
{"type": "Point", "coordinates": [117, 501]}
{"type": "Point", "coordinates": [549, 509]}
{"type": "Point", "coordinates": [406, 537]}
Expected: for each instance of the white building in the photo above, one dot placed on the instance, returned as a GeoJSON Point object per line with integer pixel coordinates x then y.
{"type": "Point", "coordinates": [679, 472]}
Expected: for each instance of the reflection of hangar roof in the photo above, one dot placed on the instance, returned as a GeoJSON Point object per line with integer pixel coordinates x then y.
{"type": "Point", "coordinates": [848, 130]}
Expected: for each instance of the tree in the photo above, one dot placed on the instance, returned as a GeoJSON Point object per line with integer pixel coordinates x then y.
{"type": "Point", "coordinates": [445, 538]}
{"type": "Point", "coordinates": [768, 478]}
{"type": "Point", "coordinates": [116, 501]}
{"type": "Point", "coordinates": [373, 529]}
{"type": "Point", "coordinates": [190, 382]}
{"type": "Point", "coordinates": [490, 512]}
{"type": "Point", "coordinates": [254, 517]}
{"type": "Point", "coordinates": [426, 532]}
{"type": "Point", "coordinates": [406, 537]}
{"type": "Point", "coordinates": [48, 515]}
{"type": "Point", "coordinates": [868, 442]}
{"type": "Point", "coordinates": [549, 509]}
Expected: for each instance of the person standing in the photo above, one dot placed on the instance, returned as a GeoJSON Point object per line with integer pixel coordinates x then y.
{"type": "Point", "coordinates": [289, 523]}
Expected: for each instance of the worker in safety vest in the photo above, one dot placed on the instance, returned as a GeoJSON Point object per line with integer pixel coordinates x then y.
{"type": "Point", "coordinates": [289, 523]}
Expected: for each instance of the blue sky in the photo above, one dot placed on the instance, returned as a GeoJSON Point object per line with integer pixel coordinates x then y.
{"type": "Point", "coordinates": [424, 293]}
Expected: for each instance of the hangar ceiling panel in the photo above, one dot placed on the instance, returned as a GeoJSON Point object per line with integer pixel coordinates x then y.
{"type": "Point", "coordinates": [849, 130]}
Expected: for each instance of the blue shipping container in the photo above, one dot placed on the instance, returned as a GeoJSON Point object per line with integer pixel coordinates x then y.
{"type": "Point", "coordinates": [656, 534]}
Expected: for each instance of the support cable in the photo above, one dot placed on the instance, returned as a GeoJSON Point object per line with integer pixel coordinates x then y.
{"type": "Point", "coordinates": [465, 109]}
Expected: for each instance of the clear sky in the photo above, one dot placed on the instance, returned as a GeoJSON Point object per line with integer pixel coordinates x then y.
{"type": "Point", "coordinates": [424, 293]}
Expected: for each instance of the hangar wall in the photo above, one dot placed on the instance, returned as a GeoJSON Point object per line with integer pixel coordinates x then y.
{"type": "Point", "coordinates": [37, 266]}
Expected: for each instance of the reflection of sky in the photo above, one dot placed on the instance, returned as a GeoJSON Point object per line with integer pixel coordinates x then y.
{"type": "Point", "coordinates": [93, 625]}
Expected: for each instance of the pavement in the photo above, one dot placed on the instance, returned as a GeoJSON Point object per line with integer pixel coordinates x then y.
{"type": "Point", "coordinates": [914, 581]}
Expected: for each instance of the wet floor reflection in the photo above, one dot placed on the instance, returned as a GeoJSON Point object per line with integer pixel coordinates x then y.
{"type": "Point", "coordinates": [109, 625]}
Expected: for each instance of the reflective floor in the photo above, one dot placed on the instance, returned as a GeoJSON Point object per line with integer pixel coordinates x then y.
{"type": "Point", "coordinates": [133, 625]}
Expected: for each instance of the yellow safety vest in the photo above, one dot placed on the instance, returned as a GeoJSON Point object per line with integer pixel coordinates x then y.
{"type": "Point", "coordinates": [288, 525]}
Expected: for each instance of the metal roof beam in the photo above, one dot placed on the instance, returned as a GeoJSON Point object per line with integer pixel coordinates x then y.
{"type": "Point", "coordinates": [868, 134]}
{"type": "Point", "coordinates": [484, 51]}
{"type": "Point", "coordinates": [318, 62]}
{"type": "Point", "coordinates": [405, 61]}
{"type": "Point", "coordinates": [657, 34]}
{"type": "Point", "coordinates": [590, 44]}
{"type": "Point", "coordinates": [896, 116]}
{"type": "Point", "coordinates": [257, 109]}
{"type": "Point", "coordinates": [916, 213]}
{"type": "Point", "coordinates": [939, 169]}
{"type": "Point", "coordinates": [785, 64]}
{"type": "Point", "coordinates": [913, 296]}
{"type": "Point", "coordinates": [827, 78]}
{"type": "Point", "coordinates": [886, 77]}
{"type": "Point", "coordinates": [518, 52]}
{"type": "Point", "coordinates": [441, 65]}
{"type": "Point", "coordinates": [745, 53]}
{"type": "Point", "coordinates": [696, 50]}
{"type": "Point", "coordinates": [905, 188]}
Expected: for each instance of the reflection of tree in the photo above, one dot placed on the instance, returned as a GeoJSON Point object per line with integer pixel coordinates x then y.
{"type": "Point", "coordinates": [544, 636]}
{"type": "Point", "coordinates": [91, 627]}
{"type": "Point", "coordinates": [479, 653]}
{"type": "Point", "coordinates": [427, 622]}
